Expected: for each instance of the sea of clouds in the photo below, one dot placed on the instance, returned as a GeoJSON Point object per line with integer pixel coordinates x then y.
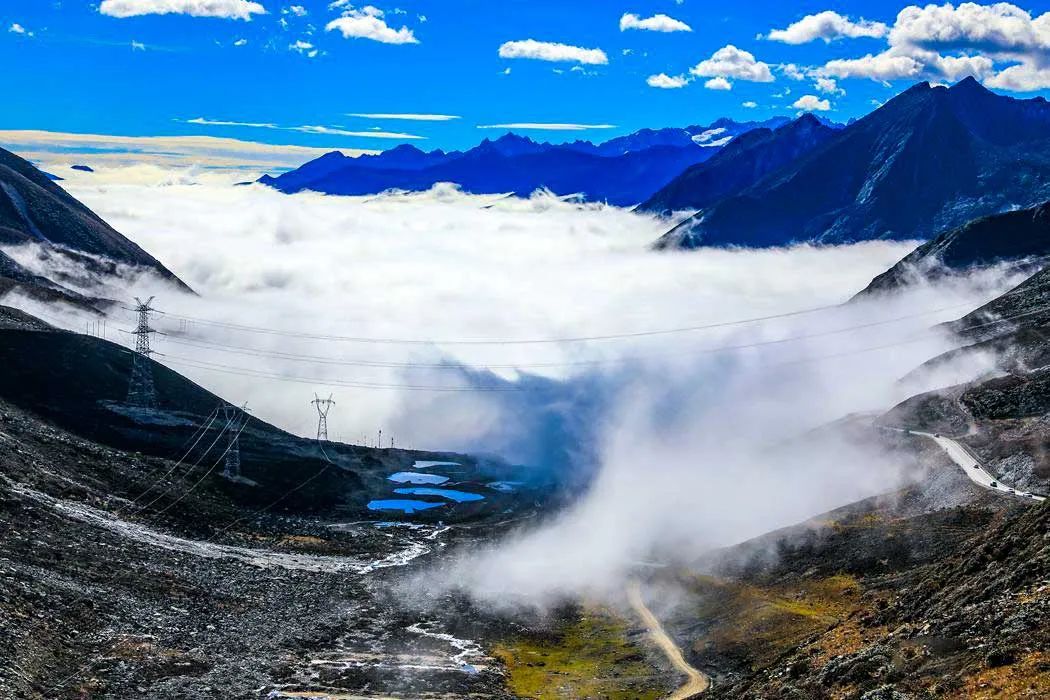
{"type": "Point", "coordinates": [695, 439]}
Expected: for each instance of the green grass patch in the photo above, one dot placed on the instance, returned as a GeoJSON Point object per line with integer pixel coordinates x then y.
{"type": "Point", "coordinates": [590, 655]}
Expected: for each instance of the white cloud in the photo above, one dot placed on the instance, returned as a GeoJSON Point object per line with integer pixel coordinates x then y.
{"type": "Point", "coordinates": [241, 42]}
{"type": "Point", "coordinates": [308, 129]}
{"type": "Point", "coordinates": [409, 117]}
{"type": "Point", "coordinates": [297, 10]}
{"type": "Point", "coordinates": [811, 103]}
{"type": "Point", "coordinates": [303, 47]}
{"type": "Point", "coordinates": [750, 104]}
{"type": "Point", "coordinates": [219, 122]}
{"type": "Point", "coordinates": [547, 126]}
{"type": "Point", "coordinates": [1024, 77]}
{"type": "Point", "coordinates": [718, 84]}
{"type": "Point", "coordinates": [656, 23]}
{"type": "Point", "coordinates": [336, 131]}
{"type": "Point", "coordinates": [50, 147]}
{"type": "Point", "coordinates": [827, 26]}
{"type": "Point", "coordinates": [1001, 44]}
{"type": "Point", "coordinates": [884, 66]}
{"type": "Point", "coordinates": [225, 9]}
{"type": "Point", "coordinates": [368, 23]}
{"type": "Point", "coordinates": [17, 28]}
{"type": "Point", "coordinates": [667, 82]}
{"type": "Point", "coordinates": [953, 68]}
{"type": "Point", "coordinates": [551, 51]}
{"type": "Point", "coordinates": [137, 46]}
{"type": "Point", "coordinates": [792, 71]}
{"type": "Point", "coordinates": [731, 62]}
{"type": "Point", "coordinates": [828, 86]}
{"type": "Point", "coordinates": [1002, 28]}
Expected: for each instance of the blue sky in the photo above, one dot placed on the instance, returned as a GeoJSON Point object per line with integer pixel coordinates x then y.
{"type": "Point", "coordinates": [118, 67]}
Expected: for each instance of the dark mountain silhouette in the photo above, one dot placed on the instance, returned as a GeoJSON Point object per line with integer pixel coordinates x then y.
{"type": "Point", "coordinates": [928, 160]}
{"type": "Point", "coordinates": [622, 171]}
{"type": "Point", "coordinates": [1013, 236]}
{"type": "Point", "coordinates": [34, 209]}
{"type": "Point", "coordinates": [739, 165]}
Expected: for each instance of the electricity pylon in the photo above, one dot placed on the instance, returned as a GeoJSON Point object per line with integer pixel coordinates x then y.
{"type": "Point", "coordinates": [235, 418]}
{"type": "Point", "coordinates": [141, 392]}
{"type": "Point", "coordinates": [323, 406]}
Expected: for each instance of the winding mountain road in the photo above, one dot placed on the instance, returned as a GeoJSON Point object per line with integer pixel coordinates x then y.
{"type": "Point", "coordinates": [970, 466]}
{"type": "Point", "coordinates": [696, 681]}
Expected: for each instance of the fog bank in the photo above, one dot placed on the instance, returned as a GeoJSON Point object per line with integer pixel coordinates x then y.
{"type": "Point", "coordinates": [695, 437]}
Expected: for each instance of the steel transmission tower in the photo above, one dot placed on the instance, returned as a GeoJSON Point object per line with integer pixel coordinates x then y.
{"type": "Point", "coordinates": [323, 406]}
{"type": "Point", "coordinates": [141, 392]}
{"type": "Point", "coordinates": [235, 418]}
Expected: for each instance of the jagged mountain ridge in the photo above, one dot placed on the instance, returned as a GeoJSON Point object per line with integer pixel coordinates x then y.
{"type": "Point", "coordinates": [739, 165]}
{"type": "Point", "coordinates": [622, 171]}
{"type": "Point", "coordinates": [929, 159]}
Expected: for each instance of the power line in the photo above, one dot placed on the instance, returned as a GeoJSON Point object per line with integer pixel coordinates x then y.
{"type": "Point", "coordinates": [208, 473]}
{"type": "Point", "coordinates": [202, 432]}
{"type": "Point", "coordinates": [229, 369]}
{"type": "Point", "coordinates": [328, 463]}
{"type": "Point", "coordinates": [495, 341]}
{"type": "Point", "coordinates": [319, 359]}
{"type": "Point", "coordinates": [1029, 262]}
{"type": "Point", "coordinates": [192, 467]}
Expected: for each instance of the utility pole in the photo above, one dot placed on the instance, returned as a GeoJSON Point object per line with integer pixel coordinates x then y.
{"type": "Point", "coordinates": [141, 392]}
{"type": "Point", "coordinates": [235, 418]}
{"type": "Point", "coordinates": [323, 406]}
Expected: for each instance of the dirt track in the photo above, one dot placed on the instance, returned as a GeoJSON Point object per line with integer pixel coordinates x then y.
{"type": "Point", "coordinates": [697, 682]}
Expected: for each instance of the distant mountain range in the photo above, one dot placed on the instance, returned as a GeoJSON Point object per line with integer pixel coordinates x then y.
{"type": "Point", "coordinates": [928, 160]}
{"type": "Point", "coordinates": [623, 171]}
{"type": "Point", "coordinates": [34, 209]}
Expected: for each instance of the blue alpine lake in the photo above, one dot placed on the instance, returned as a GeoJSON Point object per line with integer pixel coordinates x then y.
{"type": "Point", "coordinates": [405, 506]}
{"type": "Point", "coordinates": [457, 496]}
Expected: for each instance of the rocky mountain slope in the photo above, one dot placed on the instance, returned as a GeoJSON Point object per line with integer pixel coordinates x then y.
{"type": "Point", "coordinates": [874, 602]}
{"type": "Point", "coordinates": [34, 209]}
{"type": "Point", "coordinates": [1011, 237]}
{"type": "Point", "coordinates": [928, 160]}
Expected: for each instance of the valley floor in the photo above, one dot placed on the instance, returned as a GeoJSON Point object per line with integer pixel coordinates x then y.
{"type": "Point", "coordinates": [102, 602]}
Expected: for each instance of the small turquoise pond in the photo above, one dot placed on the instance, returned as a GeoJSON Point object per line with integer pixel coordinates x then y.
{"type": "Point", "coordinates": [457, 496]}
{"type": "Point", "coordinates": [417, 478]}
{"type": "Point", "coordinates": [404, 506]}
